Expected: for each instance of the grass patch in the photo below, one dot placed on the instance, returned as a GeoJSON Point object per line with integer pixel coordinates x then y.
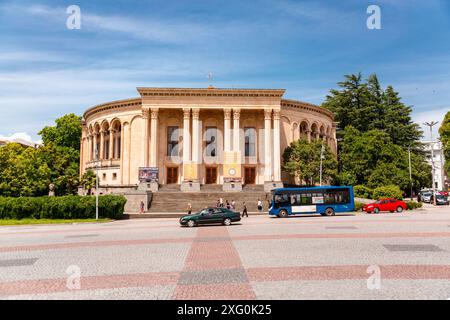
{"type": "Point", "coordinates": [14, 222]}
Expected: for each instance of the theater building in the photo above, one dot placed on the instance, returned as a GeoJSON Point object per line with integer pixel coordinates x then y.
{"type": "Point", "coordinates": [191, 138]}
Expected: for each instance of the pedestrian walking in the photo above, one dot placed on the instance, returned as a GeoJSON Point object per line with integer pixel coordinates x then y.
{"type": "Point", "coordinates": [142, 206]}
{"type": "Point", "coordinates": [260, 206]}
{"type": "Point", "coordinates": [189, 208]}
{"type": "Point", "coordinates": [244, 211]}
{"type": "Point", "coordinates": [218, 203]}
{"type": "Point", "coordinates": [221, 202]}
{"type": "Point", "coordinates": [228, 205]}
{"type": "Point", "coordinates": [233, 205]}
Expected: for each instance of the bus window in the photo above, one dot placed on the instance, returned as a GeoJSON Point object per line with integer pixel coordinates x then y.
{"type": "Point", "coordinates": [305, 199]}
{"type": "Point", "coordinates": [295, 200]}
{"type": "Point", "coordinates": [281, 198]}
{"type": "Point", "coordinates": [337, 196]}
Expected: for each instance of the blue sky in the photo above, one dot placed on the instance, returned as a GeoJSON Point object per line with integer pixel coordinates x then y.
{"type": "Point", "coordinates": [47, 70]}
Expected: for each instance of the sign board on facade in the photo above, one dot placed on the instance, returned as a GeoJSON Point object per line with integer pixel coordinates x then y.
{"type": "Point", "coordinates": [148, 174]}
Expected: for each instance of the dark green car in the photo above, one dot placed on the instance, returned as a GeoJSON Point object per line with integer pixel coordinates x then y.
{"type": "Point", "coordinates": [210, 216]}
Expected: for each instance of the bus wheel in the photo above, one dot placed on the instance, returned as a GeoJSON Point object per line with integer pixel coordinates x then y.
{"type": "Point", "coordinates": [283, 214]}
{"type": "Point", "coordinates": [329, 212]}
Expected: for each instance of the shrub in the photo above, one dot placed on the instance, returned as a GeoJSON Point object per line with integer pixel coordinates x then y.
{"type": "Point", "coordinates": [363, 192]}
{"type": "Point", "coordinates": [411, 205]}
{"type": "Point", "coordinates": [67, 207]}
{"type": "Point", "coordinates": [358, 206]}
{"type": "Point", "coordinates": [388, 192]}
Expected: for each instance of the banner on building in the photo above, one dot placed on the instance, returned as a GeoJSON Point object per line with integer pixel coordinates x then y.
{"type": "Point", "coordinates": [148, 174]}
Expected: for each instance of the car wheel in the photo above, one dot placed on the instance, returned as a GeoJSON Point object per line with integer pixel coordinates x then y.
{"type": "Point", "coordinates": [329, 212]}
{"type": "Point", "coordinates": [227, 221]}
{"type": "Point", "coordinates": [399, 209]}
{"type": "Point", "coordinates": [191, 223]}
{"type": "Point", "coordinates": [376, 210]}
{"type": "Point", "coordinates": [283, 214]}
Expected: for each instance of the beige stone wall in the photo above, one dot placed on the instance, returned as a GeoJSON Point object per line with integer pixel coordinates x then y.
{"type": "Point", "coordinates": [135, 143]}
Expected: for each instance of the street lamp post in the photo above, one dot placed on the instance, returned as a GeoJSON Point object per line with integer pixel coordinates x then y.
{"type": "Point", "coordinates": [321, 162]}
{"type": "Point", "coordinates": [410, 172]}
{"type": "Point", "coordinates": [431, 125]}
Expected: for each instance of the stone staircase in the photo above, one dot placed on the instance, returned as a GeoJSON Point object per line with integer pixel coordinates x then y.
{"type": "Point", "coordinates": [170, 199]}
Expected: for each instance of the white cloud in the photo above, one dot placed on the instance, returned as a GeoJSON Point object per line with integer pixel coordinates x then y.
{"type": "Point", "coordinates": [19, 136]}
{"type": "Point", "coordinates": [154, 29]}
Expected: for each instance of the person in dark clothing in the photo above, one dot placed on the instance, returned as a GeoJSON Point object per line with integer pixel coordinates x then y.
{"type": "Point", "coordinates": [228, 205]}
{"type": "Point", "coordinates": [244, 211]}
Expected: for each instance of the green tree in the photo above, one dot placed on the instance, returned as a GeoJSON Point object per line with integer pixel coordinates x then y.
{"type": "Point", "coordinates": [302, 160]}
{"type": "Point", "coordinates": [444, 132]}
{"type": "Point", "coordinates": [372, 159]}
{"type": "Point", "coordinates": [66, 132]}
{"type": "Point", "coordinates": [366, 106]}
{"type": "Point", "coordinates": [89, 180]}
{"type": "Point", "coordinates": [23, 172]}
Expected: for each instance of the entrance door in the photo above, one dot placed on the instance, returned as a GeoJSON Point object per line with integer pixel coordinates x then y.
{"type": "Point", "coordinates": [172, 175]}
{"type": "Point", "coordinates": [250, 175]}
{"type": "Point", "coordinates": [211, 175]}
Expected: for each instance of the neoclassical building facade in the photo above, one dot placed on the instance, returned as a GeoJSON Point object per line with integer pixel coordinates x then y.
{"type": "Point", "coordinates": [196, 137]}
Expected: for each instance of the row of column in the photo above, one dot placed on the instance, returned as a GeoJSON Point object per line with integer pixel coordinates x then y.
{"type": "Point", "coordinates": [92, 141]}
{"type": "Point", "coordinates": [272, 170]}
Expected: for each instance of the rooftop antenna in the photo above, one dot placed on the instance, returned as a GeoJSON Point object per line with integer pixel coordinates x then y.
{"type": "Point", "coordinates": [210, 79]}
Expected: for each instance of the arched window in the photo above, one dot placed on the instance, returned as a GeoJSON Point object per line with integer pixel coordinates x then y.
{"type": "Point", "coordinates": [117, 136]}
{"type": "Point", "coordinates": [303, 130]}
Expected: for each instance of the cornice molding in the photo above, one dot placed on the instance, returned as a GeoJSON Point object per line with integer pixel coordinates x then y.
{"type": "Point", "coordinates": [294, 104]}
{"type": "Point", "coordinates": [210, 92]}
{"type": "Point", "coordinates": [111, 106]}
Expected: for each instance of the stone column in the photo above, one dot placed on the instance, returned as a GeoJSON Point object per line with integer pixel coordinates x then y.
{"type": "Point", "coordinates": [308, 135]}
{"type": "Point", "coordinates": [94, 150]}
{"type": "Point", "coordinates": [102, 145]}
{"type": "Point", "coordinates": [186, 135]}
{"type": "Point", "coordinates": [144, 151]}
{"type": "Point", "coordinates": [227, 131]}
{"type": "Point", "coordinates": [195, 135]}
{"type": "Point", "coordinates": [236, 130]}
{"type": "Point", "coordinates": [267, 145]}
{"type": "Point", "coordinates": [154, 138]}
{"type": "Point", "coordinates": [111, 143]}
{"type": "Point", "coordinates": [88, 149]}
{"type": "Point", "coordinates": [276, 146]}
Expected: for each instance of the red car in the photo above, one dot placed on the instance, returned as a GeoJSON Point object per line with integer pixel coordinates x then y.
{"type": "Point", "coordinates": [386, 204]}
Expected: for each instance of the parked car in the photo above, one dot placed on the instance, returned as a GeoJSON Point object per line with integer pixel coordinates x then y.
{"type": "Point", "coordinates": [210, 216]}
{"type": "Point", "coordinates": [426, 196]}
{"type": "Point", "coordinates": [441, 199]}
{"type": "Point", "coordinates": [386, 204]}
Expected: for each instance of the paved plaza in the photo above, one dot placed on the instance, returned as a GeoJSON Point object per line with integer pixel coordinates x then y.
{"type": "Point", "coordinates": [260, 258]}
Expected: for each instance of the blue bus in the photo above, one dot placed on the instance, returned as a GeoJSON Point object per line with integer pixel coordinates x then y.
{"type": "Point", "coordinates": [321, 200]}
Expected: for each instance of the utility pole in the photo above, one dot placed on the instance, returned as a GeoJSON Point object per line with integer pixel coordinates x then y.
{"type": "Point", "coordinates": [321, 161]}
{"type": "Point", "coordinates": [431, 125]}
{"type": "Point", "coordinates": [96, 183]}
{"type": "Point", "coordinates": [410, 172]}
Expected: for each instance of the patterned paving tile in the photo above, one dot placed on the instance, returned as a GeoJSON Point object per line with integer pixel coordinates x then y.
{"type": "Point", "coordinates": [412, 247]}
{"type": "Point", "coordinates": [213, 276]}
{"type": "Point", "coordinates": [81, 236]}
{"type": "Point", "coordinates": [342, 228]}
{"type": "Point", "coordinates": [17, 262]}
